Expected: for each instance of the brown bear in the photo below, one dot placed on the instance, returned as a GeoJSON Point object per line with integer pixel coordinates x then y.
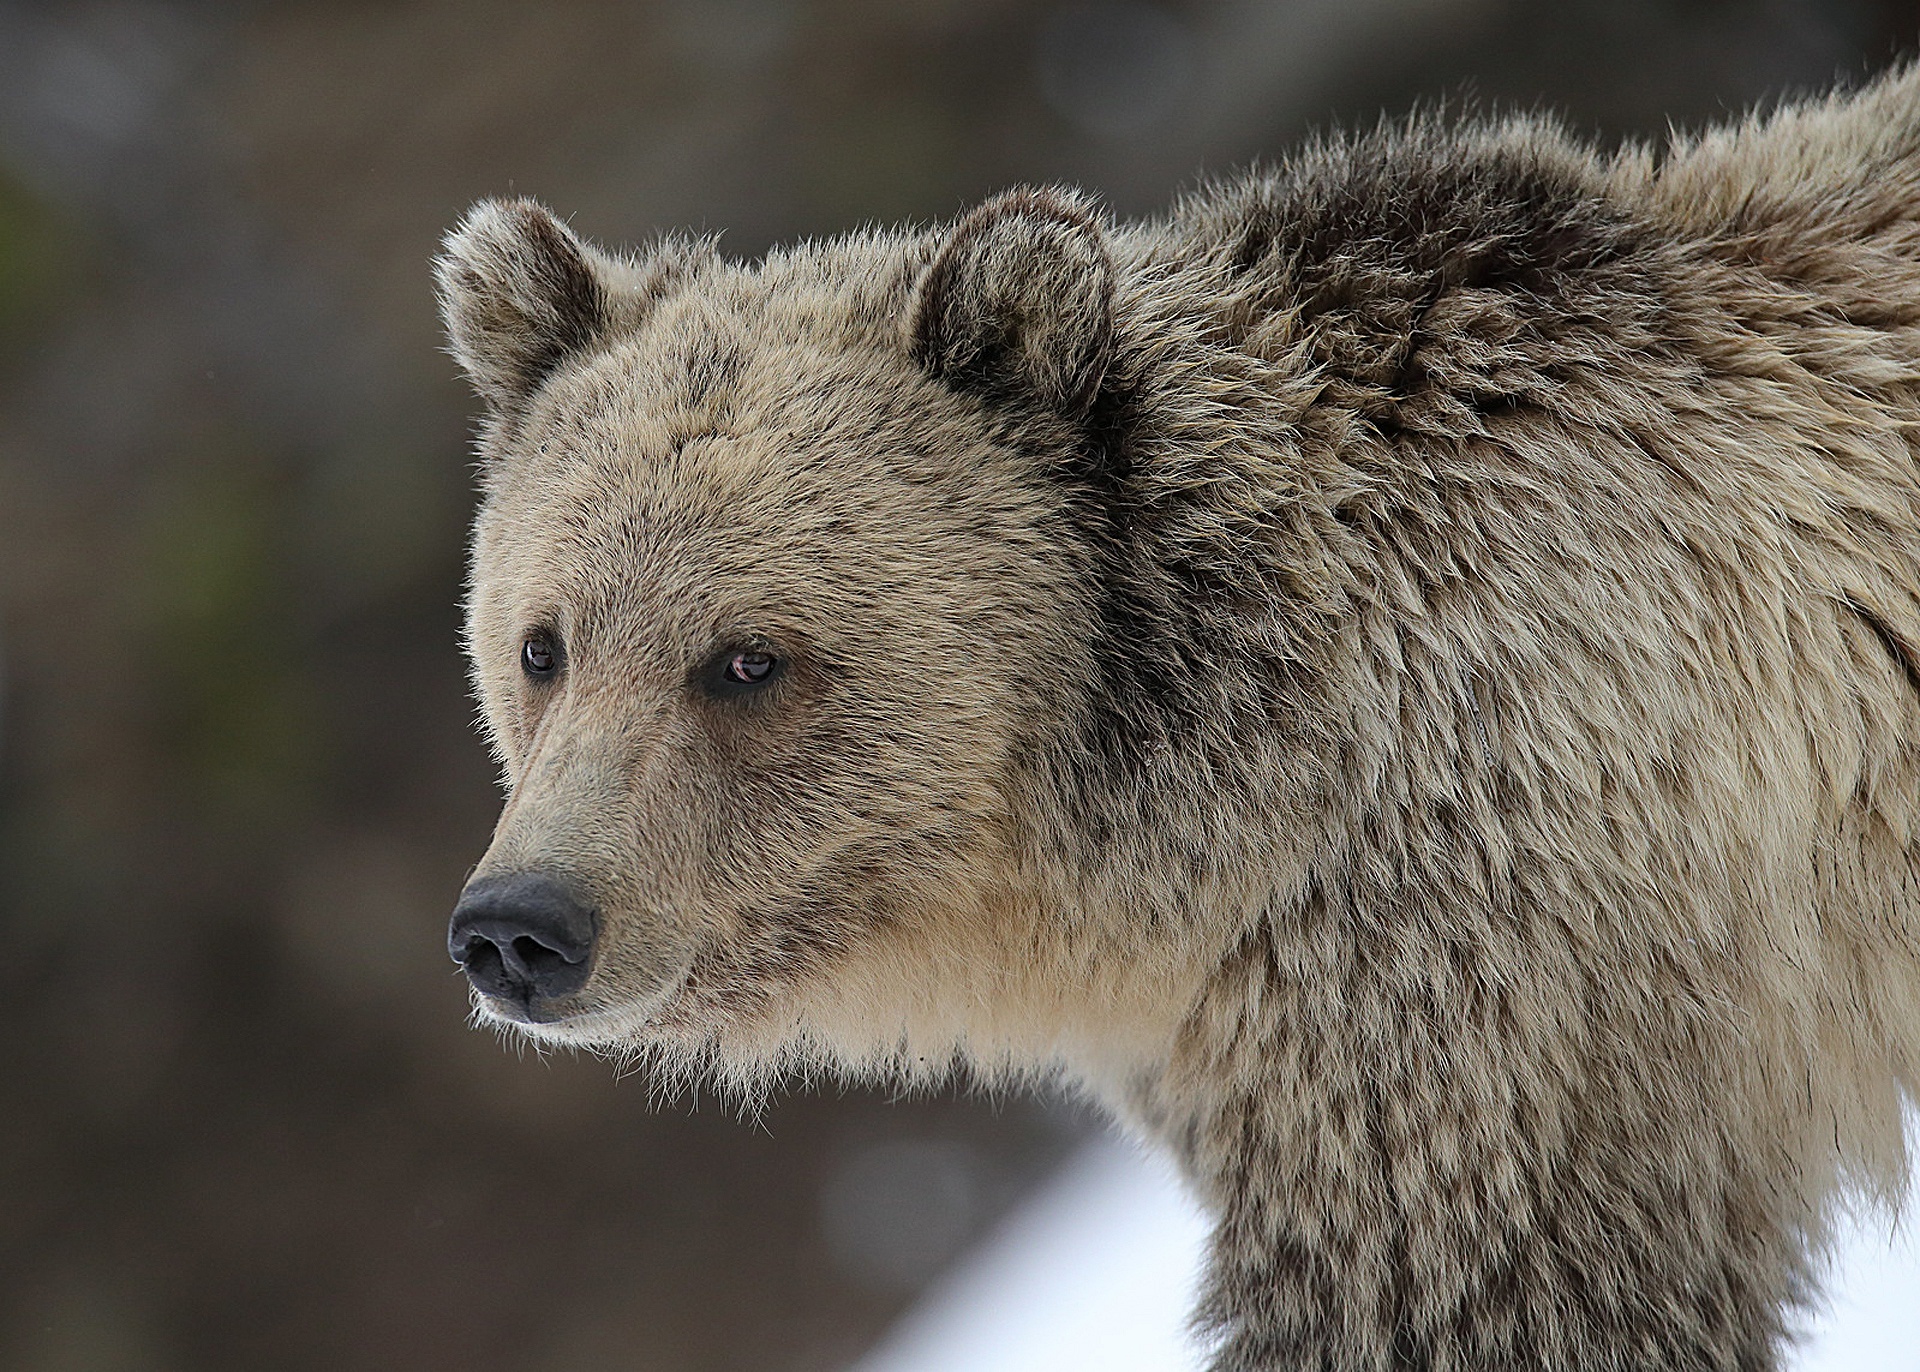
{"type": "Point", "coordinates": [1401, 676]}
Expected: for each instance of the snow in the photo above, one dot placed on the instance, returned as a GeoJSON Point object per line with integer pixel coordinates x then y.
{"type": "Point", "coordinates": [1099, 1269]}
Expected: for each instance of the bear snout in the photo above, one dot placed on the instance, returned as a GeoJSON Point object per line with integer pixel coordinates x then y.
{"type": "Point", "coordinates": [524, 940]}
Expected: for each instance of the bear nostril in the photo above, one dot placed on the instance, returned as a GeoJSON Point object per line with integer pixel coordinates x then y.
{"type": "Point", "coordinates": [537, 958]}
{"type": "Point", "coordinates": [523, 938]}
{"type": "Point", "coordinates": [483, 961]}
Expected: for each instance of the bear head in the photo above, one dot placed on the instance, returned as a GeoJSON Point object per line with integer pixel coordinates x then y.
{"type": "Point", "coordinates": [781, 598]}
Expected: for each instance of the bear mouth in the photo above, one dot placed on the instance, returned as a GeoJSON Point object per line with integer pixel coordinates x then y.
{"type": "Point", "coordinates": [583, 1029]}
{"type": "Point", "coordinates": [589, 1027]}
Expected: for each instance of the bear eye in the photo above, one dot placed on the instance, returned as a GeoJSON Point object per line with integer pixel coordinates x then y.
{"type": "Point", "coordinates": [749, 668]}
{"type": "Point", "coordinates": [538, 656]}
{"type": "Point", "coordinates": [737, 671]}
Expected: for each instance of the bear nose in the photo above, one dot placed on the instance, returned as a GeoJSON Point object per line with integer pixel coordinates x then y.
{"type": "Point", "coordinates": [523, 938]}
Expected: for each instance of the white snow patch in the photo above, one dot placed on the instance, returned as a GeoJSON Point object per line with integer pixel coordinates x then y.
{"type": "Point", "coordinates": [1099, 1269]}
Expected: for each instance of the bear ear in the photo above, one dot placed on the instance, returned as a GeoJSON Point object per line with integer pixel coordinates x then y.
{"type": "Point", "coordinates": [1019, 302]}
{"type": "Point", "coordinates": [520, 294]}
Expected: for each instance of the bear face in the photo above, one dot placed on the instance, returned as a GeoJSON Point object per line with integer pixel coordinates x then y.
{"type": "Point", "coordinates": [771, 610]}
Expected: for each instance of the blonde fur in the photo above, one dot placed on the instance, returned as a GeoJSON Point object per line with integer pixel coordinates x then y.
{"type": "Point", "coordinates": [1402, 676]}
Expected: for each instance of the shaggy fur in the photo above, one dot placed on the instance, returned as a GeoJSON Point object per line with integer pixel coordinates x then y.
{"type": "Point", "coordinates": [1402, 676]}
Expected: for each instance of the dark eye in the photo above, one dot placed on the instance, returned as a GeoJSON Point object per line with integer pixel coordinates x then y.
{"type": "Point", "coordinates": [538, 656]}
{"type": "Point", "coordinates": [749, 669]}
{"type": "Point", "coordinates": [736, 671]}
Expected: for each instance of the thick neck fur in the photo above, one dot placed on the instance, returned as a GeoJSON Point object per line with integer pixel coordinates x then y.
{"type": "Point", "coordinates": [1554, 752]}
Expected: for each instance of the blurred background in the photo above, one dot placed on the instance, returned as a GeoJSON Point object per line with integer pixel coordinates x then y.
{"type": "Point", "coordinates": [243, 1124]}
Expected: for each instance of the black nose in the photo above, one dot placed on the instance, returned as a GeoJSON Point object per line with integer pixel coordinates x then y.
{"type": "Point", "coordinates": [523, 938]}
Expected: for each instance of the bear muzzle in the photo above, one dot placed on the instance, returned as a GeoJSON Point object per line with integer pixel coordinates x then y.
{"type": "Point", "coordinates": [525, 942]}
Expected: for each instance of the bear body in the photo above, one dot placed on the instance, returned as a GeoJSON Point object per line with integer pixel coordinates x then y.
{"type": "Point", "coordinates": [1401, 676]}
